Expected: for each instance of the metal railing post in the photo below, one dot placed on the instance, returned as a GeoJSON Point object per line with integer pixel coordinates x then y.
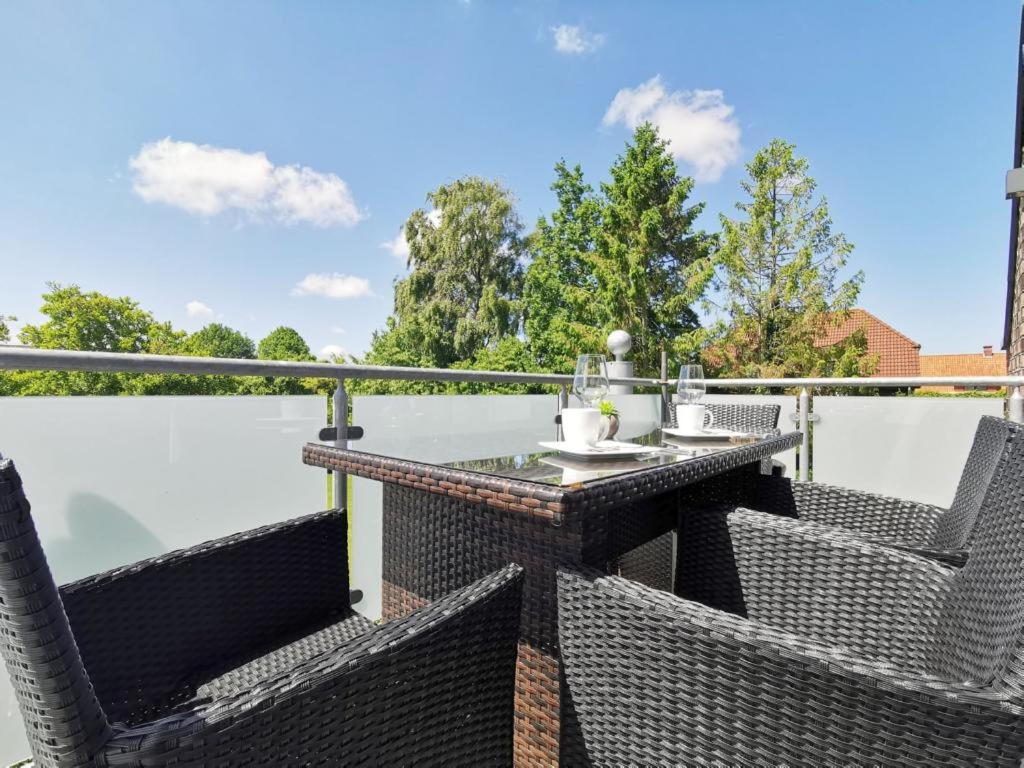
{"type": "Point", "coordinates": [563, 402]}
{"type": "Point", "coordinates": [340, 422]}
{"type": "Point", "coordinates": [664, 385]}
{"type": "Point", "coordinates": [1015, 407]}
{"type": "Point", "coordinates": [805, 443]}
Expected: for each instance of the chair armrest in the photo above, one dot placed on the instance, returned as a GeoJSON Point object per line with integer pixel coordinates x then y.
{"type": "Point", "coordinates": [859, 511]}
{"type": "Point", "coordinates": [146, 629]}
{"type": "Point", "coordinates": [836, 588]}
{"type": "Point", "coordinates": [656, 680]}
{"type": "Point", "coordinates": [436, 686]}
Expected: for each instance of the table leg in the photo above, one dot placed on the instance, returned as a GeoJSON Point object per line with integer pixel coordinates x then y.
{"type": "Point", "coordinates": [434, 544]}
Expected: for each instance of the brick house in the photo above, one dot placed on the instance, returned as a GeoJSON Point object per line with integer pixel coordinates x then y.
{"type": "Point", "coordinates": [985, 363]}
{"type": "Point", "coordinates": [898, 355]}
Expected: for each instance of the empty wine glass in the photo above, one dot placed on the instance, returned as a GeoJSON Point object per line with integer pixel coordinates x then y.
{"type": "Point", "coordinates": [691, 386]}
{"type": "Point", "coordinates": [591, 380]}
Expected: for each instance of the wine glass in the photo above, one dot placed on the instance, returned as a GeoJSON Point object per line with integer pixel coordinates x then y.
{"type": "Point", "coordinates": [691, 386]}
{"type": "Point", "coordinates": [591, 380]}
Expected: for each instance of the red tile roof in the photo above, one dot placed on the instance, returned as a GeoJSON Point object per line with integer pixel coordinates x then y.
{"type": "Point", "coordinates": [897, 354]}
{"type": "Point", "coordinates": [977, 364]}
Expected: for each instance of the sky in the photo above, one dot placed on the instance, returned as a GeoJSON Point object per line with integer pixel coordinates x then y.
{"type": "Point", "coordinates": [252, 163]}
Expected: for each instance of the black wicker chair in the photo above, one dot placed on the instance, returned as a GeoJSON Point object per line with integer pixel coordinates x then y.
{"type": "Point", "coordinates": [652, 562]}
{"type": "Point", "coordinates": [758, 418]}
{"type": "Point", "coordinates": [853, 653]}
{"type": "Point", "coordinates": [244, 651]}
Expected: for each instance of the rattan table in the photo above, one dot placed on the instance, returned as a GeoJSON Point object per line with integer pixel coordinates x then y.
{"type": "Point", "coordinates": [447, 525]}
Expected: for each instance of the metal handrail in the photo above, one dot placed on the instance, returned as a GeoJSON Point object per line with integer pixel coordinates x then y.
{"type": "Point", "coordinates": [14, 357]}
{"type": "Point", "coordinates": [30, 359]}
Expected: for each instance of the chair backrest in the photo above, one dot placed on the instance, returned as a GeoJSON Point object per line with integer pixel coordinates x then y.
{"type": "Point", "coordinates": [983, 618]}
{"type": "Point", "coordinates": [958, 526]}
{"type": "Point", "coordinates": [748, 417]}
{"type": "Point", "coordinates": [65, 723]}
{"type": "Point", "coordinates": [435, 687]}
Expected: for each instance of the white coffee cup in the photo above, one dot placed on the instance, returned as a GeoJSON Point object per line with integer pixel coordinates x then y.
{"type": "Point", "coordinates": [582, 426]}
{"type": "Point", "coordinates": [691, 417]}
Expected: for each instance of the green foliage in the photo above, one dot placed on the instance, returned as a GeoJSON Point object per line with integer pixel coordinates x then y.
{"type": "Point", "coordinates": [628, 258]}
{"type": "Point", "coordinates": [87, 321]}
{"type": "Point", "coordinates": [92, 321]}
{"type": "Point", "coordinates": [563, 319]}
{"type": "Point", "coordinates": [284, 343]}
{"type": "Point", "coordinates": [999, 393]}
{"type": "Point", "coordinates": [652, 266]}
{"type": "Point", "coordinates": [607, 408]}
{"type": "Point", "coordinates": [462, 294]}
{"type": "Point", "coordinates": [216, 340]}
{"type": "Point", "coordinates": [778, 272]}
{"type": "Point", "coordinates": [5, 331]}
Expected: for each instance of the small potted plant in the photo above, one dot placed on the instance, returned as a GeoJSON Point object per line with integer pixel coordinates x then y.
{"type": "Point", "coordinates": [610, 417]}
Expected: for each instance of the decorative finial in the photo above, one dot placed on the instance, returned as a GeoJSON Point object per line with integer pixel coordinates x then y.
{"type": "Point", "coordinates": [619, 343]}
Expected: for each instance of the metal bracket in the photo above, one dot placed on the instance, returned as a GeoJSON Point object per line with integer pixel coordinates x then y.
{"type": "Point", "coordinates": [331, 433]}
{"type": "Point", "coordinates": [813, 418]}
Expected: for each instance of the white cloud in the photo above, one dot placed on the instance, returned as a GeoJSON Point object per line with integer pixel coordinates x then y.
{"type": "Point", "coordinates": [331, 353]}
{"type": "Point", "coordinates": [333, 285]}
{"type": "Point", "coordinates": [576, 40]}
{"type": "Point", "coordinates": [699, 126]}
{"type": "Point", "coordinates": [196, 308]}
{"type": "Point", "coordinates": [208, 180]}
{"type": "Point", "coordinates": [337, 330]}
{"type": "Point", "coordinates": [399, 246]}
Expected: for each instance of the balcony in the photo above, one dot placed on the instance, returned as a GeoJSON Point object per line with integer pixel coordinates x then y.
{"type": "Point", "coordinates": [116, 480]}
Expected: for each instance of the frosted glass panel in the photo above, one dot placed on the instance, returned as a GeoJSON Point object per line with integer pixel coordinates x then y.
{"type": "Point", "coordinates": [116, 479]}
{"type": "Point", "coordinates": [911, 447]}
{"type": "Point", "coordinates": [421, 426]}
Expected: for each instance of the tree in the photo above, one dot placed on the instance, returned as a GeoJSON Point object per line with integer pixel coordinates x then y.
{"type": "Point", "coordinates": [629, 258]}
{"type": "Point", "coordinates": [89, 321]}
{"type": "Point", "coordinates": [463, 293]}
{"type": "Point", "coordinates": [283, 343]}
{"type": "Point", "coordinates": [5, 331]}
{"type": "Point", "coordinates": [779, 269]}
{"type": "Point", "coordinates": [651, 266]}
{"type": "Point", "coordinates": [562, 318]}
{"type": "Point", "coordinates": [216, 340]}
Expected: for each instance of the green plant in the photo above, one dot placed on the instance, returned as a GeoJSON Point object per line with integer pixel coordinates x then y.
{"type": "Point", "coordinates": [607, 408]}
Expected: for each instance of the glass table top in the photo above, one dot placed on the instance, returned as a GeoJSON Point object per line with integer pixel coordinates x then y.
{"type": "Point", "coordinates": [554, 468]}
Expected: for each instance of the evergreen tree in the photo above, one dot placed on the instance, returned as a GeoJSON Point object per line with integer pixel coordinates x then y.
{"type": "Point", "coordinates": [779, 276]}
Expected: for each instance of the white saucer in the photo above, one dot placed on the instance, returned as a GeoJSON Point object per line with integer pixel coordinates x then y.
{"type": "Point", "coordinates": [707, 434]}
{"type": "Point", "coordinates": [606, 449]}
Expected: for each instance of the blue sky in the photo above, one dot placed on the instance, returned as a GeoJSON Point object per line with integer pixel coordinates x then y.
{"type": "Point", "coordinates": [131, 137]}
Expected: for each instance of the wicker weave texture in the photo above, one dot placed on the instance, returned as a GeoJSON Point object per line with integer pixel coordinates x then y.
{"type": "Point", "coordinates": [851, 652]}
{"type": "Point", "coordinates": [758, 418]}
{"type": "Point", "coordinates": [435, 687]}
{"type": "Point", "coordinates": [243, 651]}
{"type": "Point", "coordinates": [64, 721]}
{"type": "Point", "coordinates": [933, 531]}
{"type": "Point", "coordinates": [242, 595]}
{"type": "Point", "coordinates": [656, 680]}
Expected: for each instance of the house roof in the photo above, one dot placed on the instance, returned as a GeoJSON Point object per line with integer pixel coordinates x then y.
{"type": "Point", "coordinates": [897, 354]}
{"type": "Point", "coordinates": [976, 364]}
